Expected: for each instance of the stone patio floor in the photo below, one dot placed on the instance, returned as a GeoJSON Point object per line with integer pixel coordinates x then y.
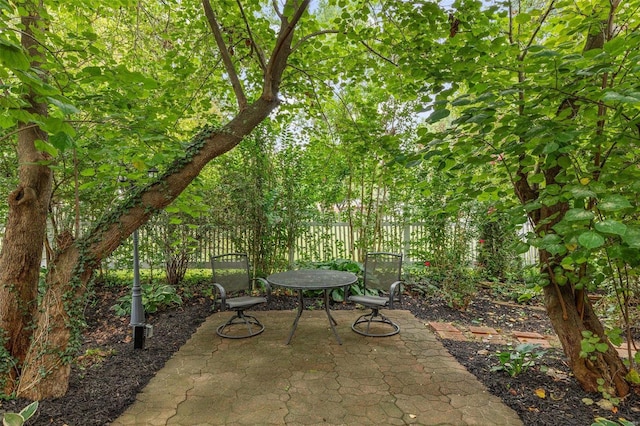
{"type": "Point", "coordinates": [409, 378]}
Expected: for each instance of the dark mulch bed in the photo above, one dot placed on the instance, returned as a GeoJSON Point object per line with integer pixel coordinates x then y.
{"type": "Point", "coordinates": [109, 374]}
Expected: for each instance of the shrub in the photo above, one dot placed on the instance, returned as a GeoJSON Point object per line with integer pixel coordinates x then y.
{"type": "Point", "coordinates": [154, 297]}
{"type": "Point", "coordinates": [519, 359]}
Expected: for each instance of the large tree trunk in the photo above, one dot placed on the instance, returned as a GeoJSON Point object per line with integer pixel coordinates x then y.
{"type": "Point", "coordinates": [569, 309]}
{"type": "Point", "coordinates": [46, 367]}
{"type": "Point", "coordinates": [571, 313]}
{"type": "Point", "coordinates": [25, 232]}
{"type": "Point", "coordinates": [45, 360]}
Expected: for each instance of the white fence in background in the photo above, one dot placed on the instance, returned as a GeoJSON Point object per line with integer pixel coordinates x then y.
{"type": "Point", "coordinates": [322, 242]}
{"type": "Point", "coordinates": [318, 242]}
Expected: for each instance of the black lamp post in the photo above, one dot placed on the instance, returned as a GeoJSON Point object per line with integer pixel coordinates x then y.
{"type": "Point", "coordinates": [137, 308]}
{"type": "Point", "coordinates": [140, 330]}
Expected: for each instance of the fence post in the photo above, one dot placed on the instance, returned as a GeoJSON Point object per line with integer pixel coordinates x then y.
{"type": "Point", "coordinates": [406, 241]}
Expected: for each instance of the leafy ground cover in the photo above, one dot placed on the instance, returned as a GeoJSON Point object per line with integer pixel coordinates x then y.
{"type": "Point", "coordinates": [109, 373]}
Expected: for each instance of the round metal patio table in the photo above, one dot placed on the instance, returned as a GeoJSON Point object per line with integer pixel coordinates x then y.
{"type": "Point", "coordinates": [312, 279]}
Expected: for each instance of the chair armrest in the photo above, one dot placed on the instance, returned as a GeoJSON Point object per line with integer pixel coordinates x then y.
{"type": "Point", "coordinates": [223, 296]}
{"type": "Point", "coordinates": [396, 287]}
{"type": "Point", "coordinates": [267, 287]}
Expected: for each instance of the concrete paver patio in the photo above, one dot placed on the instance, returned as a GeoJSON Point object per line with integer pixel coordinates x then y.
{"type": "Point", "coordinates": [409, 378]}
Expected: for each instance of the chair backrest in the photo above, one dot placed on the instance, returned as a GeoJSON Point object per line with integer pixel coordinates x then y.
{"type": "Point", "coordinates": [231, 271]}
{"type": "Point", "coordinates": [381, 270]}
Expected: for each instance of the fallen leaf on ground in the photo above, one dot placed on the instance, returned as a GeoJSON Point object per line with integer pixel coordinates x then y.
{"type": "Point", "coordinates": [587, 401]}
{"type": "Point", "coordinates": [557, 374]}
{"type": "Point", "coordinates": [605, 404]}
{"type": "Point", "coordinates": [541, 393]}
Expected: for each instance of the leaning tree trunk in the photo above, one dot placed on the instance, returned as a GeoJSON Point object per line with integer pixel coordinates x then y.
{"type": "Point", "coordinates": [25, 231]}
{"type": "Point", "coordinates": [45, 371]}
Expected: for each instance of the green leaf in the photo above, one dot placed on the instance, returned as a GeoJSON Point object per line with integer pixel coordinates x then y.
{"type": "Point", "coordinates": [602, 347]}
{"type": "Point", "coordinates": [591, 240]}
{"type": "Point", "coordinates": [553, 244]}
{"type": "Point", "coordinates": [633, 377]}
{"type": "Point", "coordinates": [534, 205]}
{"type": "Point", "coordinates": [587, 346]}
{"type": "Point", "coordinates": [66, 108]}
{"type": "Point", "coordinates": [550, 239]}
{"type": "Point", "coordinates": [13, 57]}
{"type": "Point", "coordinates": [46, 147]}
{"type": "Point", "coordinates": [578, 214]}
{"type": "Point", "coordinates": [537, 178]}
{"type": "Point", "coordinates": [616, 44]}
{"type": "Point", "coordinates": [61, 141]}
{"type": "Point", "coordinates": [632, 237]}
{"type": "Point", "coordinates": [36, 84]}
{"type": "Point", "coordinates": [57, 125]}
{"type": "Point", "coordinates": [29, 410]}
{"type": "Point", "coordinates": [12, 419]}
{"type": "Point", "coordinates": [461, 101]}
{"type": "Point", "coordinates": [610, 226]}
{"type": "Point", "coordinates": [88, 172]}
{"type": "Point", "coordinates": [521, 247]}
{"type": "Point", "coordinates": [581, 192]}
{"type": "Point", "coordinates": [619, 97]}
{"type": "Point", "coordinates": [437, 115]}
{"type": "Point", "coordinates": [93, 71]}
{"type": "Point", "coordinates": [88, 185]}
{"type": "Point", "coordinates": [614, 203]}
{"type": "Point", "coordinates": [550, 147]}
{"type": "Point", "coordinates": [564, 162]}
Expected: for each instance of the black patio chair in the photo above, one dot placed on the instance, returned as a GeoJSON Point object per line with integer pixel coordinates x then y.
{"type": "Point", "coordinates": [382, 275]}
{"type": "Point", "coordinates": [234, 286]}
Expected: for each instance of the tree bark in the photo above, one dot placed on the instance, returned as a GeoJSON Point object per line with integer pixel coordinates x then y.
{"type": "Point", "coordinates": [25, 229]}
{"type": "Point", "coordinates": [571, 313]}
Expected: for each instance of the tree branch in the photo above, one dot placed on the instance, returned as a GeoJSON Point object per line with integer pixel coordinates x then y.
{"type": "Point", "coordinates": [280, 54]}
{"type": "Point", "coordinates": [379, 55]}
{"type": "Point", "coordinates": [537, 30]}
{"type": "Point", "coordinates": [259, 52]}
{"type": "Point", "coordinates": [226, 57]}
{"type": "Point", "coordinates": [307, 37]}
{"type": "Point", "coordinates": [208, 144]}
{"type": "Point", "coordinates": [276, 8]}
